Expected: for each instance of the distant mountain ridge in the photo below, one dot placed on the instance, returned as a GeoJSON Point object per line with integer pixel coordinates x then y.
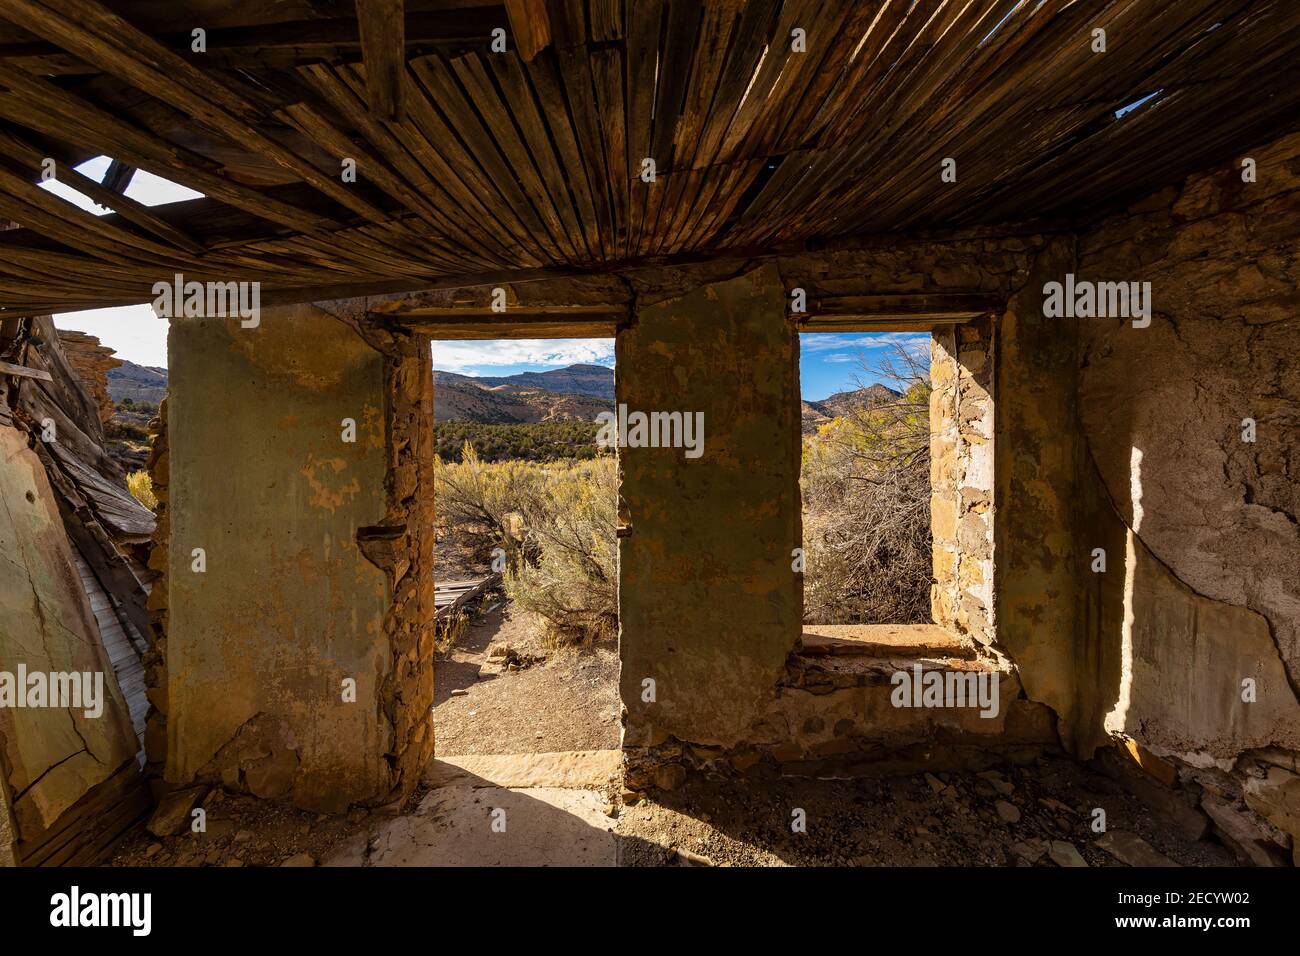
{"type": "Point", "coordinates": [578, 392]}
{"type": "Point", "coordinates": [595, 380]}
{"type": "Point", "coordinates": [819, 413]}
{"type": "Point", "coordinates": [140, 383]}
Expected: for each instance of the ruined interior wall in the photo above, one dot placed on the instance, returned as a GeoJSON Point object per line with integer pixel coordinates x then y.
{"type": "Point", "coordinates": [1038, 460]}
{"type": "Point", "coordinates": [962, 506]}
{"type": "Point", "coordinates": [1203, 586]}
{"type": "Point", "coordinates": [51, 756]}
{"type": "Point", "coordinates": [258, 645]}
{"type": "Point", "coordinates": [155, 658]}
{"type": "Point", "coordinates": [709, 604]}
{"type": "Point", "coordinates": [705, 559]}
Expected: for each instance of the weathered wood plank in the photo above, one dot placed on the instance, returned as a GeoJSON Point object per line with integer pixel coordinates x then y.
{"type": "Point", "coordinates": [383, 49]}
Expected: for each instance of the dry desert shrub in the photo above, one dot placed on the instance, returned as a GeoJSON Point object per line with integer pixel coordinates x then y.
{"type": "Point", "coordinates": [140, 484]}
{"type": "Point", "coordinates": [556, 524]}
{"type": "Point", "coordinates": [866, 492]}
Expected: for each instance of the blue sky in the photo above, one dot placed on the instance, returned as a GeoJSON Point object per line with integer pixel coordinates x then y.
{"type": "Point", "coordinates": [511, 356]}
{"type": "Point", "coordinates": [831, 362]}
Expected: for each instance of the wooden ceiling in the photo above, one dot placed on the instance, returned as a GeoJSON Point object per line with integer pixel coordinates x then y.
{"type": "Point", "coordinates": [474, 165]}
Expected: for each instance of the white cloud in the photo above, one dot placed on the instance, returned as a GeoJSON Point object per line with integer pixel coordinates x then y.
{"type": "Point", "coordinates": [480, 357]}
{"type": "Point", "coordinates": [833, 341]}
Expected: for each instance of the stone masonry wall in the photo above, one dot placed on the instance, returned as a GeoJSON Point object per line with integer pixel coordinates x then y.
{"type": "Point", "coordinates": [962, 507]}
{"type": "Point", "coordinates": [1199, 610]}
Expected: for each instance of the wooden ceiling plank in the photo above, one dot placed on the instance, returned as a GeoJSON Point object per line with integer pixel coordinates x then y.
{"type": "Point", "coordinates": [549, 88]}
{"type": "Point", "coordinates": [394, 171]}
{"type": "Point", "coordinates": [640, 59]}
{"type": "Point", "coordinates": [110, 136]}
{"type": "Point", "coordinates": [513, 81]}
{"type": "Point", "coordinates": [607, 80]}
{"type": "Point", "coordinates": [499, 121]}
{"type": "Point", "coordinates": [432, 141]}
{"type": "Point", "coordinates": [15, 148]}
{"type": "Point", "coordinates": [442, 89]}
{"type": "Point", "coordinates": [575, 71]}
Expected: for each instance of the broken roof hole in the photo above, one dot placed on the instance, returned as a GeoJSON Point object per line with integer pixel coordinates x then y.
{"type": "Point", "coordinates": [1125, 110]}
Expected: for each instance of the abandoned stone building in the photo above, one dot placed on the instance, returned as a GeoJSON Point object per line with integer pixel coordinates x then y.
{"type": "Point", "coordinates": [1093, 207]}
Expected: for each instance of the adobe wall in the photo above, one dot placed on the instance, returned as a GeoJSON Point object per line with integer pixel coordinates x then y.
{"type": "Point", "coordinates": [1200, 605]}
{"type": "Point", "coordinates": [258, 646]}
{"type": "Point", "coordinates": [709, 605]}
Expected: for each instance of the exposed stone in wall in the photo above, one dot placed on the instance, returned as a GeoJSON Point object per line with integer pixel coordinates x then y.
{"type": "Point", "coordinates": [91, 361]}
{"type": "Point", "coordinates": [259, 644]}
{"type": "Point", "coordinates": [155, 659]}
{"type": "Point", "coordinates": [404, 546]}
{"type": "Point", "coordinates": [962, 508]}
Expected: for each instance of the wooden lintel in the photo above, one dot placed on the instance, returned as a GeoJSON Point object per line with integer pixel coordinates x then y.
{"type": "Point", "coordinates": [581, 313]}
{"type": "Point", "coordinates": [512, 326]}
{"type": "Point", "coordinates": [896, 313]}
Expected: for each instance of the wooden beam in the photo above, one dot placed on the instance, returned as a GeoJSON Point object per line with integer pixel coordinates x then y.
{"type": "Point", "coordinates": [530, 26]}
{"type": "Point", "coordinates": [919, 312]}
{"type": "Point", "coordinates": [22, 371]}
{"type": "Point", "coordinates": [118, 177]}
{"type": "Point", "coordinates": [383, 51]}
{"type": "Point", "coordinates": [510, 325]}
{"type": "Point", "coordinates": [287, 44]}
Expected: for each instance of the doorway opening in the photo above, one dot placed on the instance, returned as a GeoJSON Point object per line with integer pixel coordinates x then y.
{"type": "Point", "coordinates": [526, 566]}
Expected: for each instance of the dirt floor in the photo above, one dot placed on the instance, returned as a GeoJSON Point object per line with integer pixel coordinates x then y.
{"type": "Point", "coordinates": [501, 690]}
{"type": "Point", "coordinates": [1038, 815]}
{"type": "Point", "coordinates": [1019, 816]}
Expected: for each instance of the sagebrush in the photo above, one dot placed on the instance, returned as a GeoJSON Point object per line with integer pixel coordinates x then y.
{"type": "Point", "coordinates": [140, 484]}
{"type": "Point", "coordinates": [866, 519]}
{"type": "Point", "coordinates": [556, 524]}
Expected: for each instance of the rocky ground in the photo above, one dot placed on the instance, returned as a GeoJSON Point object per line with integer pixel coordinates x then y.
{"type": "Point", "coordinates": [501, 690]}
{"type": "Point", "coordinates": [1038, 815]}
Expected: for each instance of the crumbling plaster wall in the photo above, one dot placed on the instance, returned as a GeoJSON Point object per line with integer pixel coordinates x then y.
{"type": "Point", "coordinates": [1123, 444]}
{"type": "Point", "coordinates": [709, 604]}
{"type": "Point", "coordinates": [1211, 592]}
{"type": "Point", "coordinates": [259, 645]}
